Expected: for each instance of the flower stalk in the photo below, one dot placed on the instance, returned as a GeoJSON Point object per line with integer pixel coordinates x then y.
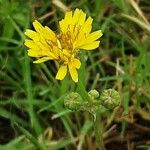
{"type": "Point", "coordinates": [98, 129]}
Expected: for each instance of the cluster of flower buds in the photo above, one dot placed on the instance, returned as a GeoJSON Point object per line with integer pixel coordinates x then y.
{"type": "Point", "coordinates": [109, 99]}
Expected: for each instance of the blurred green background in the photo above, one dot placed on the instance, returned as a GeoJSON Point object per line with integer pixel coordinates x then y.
{"type": "Point", "coordinates": [32, 114]}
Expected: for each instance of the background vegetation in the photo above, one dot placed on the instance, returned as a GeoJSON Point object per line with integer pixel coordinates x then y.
{"type": "Point", "coordinates": [32, 114]}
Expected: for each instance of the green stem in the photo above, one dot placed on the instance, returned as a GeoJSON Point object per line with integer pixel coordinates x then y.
{"type": "Point", "coordinates": [83, 91]}
{"type": "Point", "coordinates": [98, 128]}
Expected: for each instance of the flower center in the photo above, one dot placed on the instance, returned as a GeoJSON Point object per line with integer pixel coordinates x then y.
{"type": "Point", "coordinates": [65, 44]}
{"type": "Point", "coordinates": [65, 41]}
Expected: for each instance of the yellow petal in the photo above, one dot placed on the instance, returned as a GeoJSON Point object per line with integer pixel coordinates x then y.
{"type": "Point", "coordinates": [38, 27]}
{"type": "Point", "coordinates": [61, 72]}
{"type": "Point", "coordinates": [31, 44]}
{"type": "Point", "coordinates": [94, 36]}
{"type": "Point", "coordinates": [76, 63]}
{"type": "Point", "coordinates": [86, 29]}
{"type": "Point", "coordinates": [40, 53]}
{"type": "Point", "coordinates": [34, 53]}
{"type": "Point", "coordinates": [89, 39]}
{"type": "Point", "coordinates": [62, 25]}
{"type": "Point", "coordinates": [43, 46]}
{"type": "Point", "coordinates": [49, 34]}
{"type": "Point", "coordinates": [73, 73]}
{"type": "Point", "coordinates": [84, 32]}
{"type": "Point", "coordinates": [91, 46]}
{"type": "Point", "coordinates": [78, 17]}
{"type": "Point", "coordinates": [82, 18]}
{"type": "Point", "coordinates": [68, 17]}
{"type": "Point", "coordinates": [32, 35]}
{"type": "Point", "coordinates": [66, 22]}
{"type": "Point", "coordinates": [43, 59]}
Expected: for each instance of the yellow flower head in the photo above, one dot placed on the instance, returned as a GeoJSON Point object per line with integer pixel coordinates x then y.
{"type": "Point", "coordinates": [75, 34]}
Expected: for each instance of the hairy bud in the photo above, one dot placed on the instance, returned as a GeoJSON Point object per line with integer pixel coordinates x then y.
{"type": "Point", "coordinates": [93, 94]}
{"type": "Point", "coordinates": [73, 101]}
{"type": "Point", "coordinates": [110, 98]}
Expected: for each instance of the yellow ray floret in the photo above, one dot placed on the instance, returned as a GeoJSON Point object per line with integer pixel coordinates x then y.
{"type": "Point", "coordinates": [74, 35]}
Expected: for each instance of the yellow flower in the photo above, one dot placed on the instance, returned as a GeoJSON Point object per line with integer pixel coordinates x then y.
{"type": "Point", "coordinates": [75, 34]}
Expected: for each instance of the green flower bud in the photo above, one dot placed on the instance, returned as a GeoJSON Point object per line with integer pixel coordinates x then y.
{"type": "Point", "coordinates": [110, 98]}
{"type": "Point", "coordinates": [93, 94]}
{"type": "Point", "coordinates": [73, 101]}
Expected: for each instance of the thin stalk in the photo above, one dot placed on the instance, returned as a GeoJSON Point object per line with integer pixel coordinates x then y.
{"type": "Point", "coordinates": [98, 128]}
{"type": "Point", "coordinates": [83, 93]}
